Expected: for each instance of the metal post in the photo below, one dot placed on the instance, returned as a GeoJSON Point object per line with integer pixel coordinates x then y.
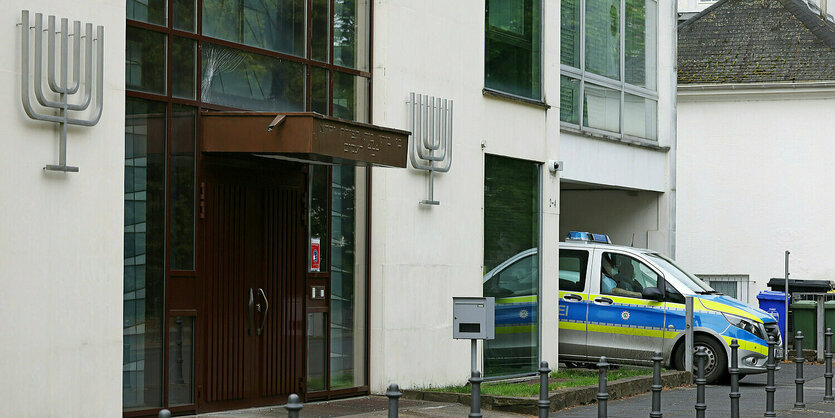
{"type": "Point", "coordinates": [827, 396]}
{"type": "Point", "coordinates": [475, 401]}
{"type": "Point", "coordinates": [393, 394]}
{"type": "Point", "coordinates": [544, 403]}
{"type": "Point", "coordinates": [819, 331]}
{"type": "Point", "coordinates": [656, 386]}
{"type": "Point", "coordinates": [798, 380]}
{"type": "Point", "coordinates": [164, 414]}
{"type": "Point", "coordinates": [786, 312]}
{"type": "Point", "coordinates": [293, 406]}
{"type": "Point", "coordinates": [688, 335]}
{"type": "Point", "coordinates": [770, 388]}
{"type": "Point", "coordinates": [701, 406]}
{"type": "Point", "coordinates": [734, 371]}
{"type": "Point", "coordinates": [602, 393]}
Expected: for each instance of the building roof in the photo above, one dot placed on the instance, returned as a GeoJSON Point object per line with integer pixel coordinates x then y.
{"type": "Point", "coordinates": [756, 41]}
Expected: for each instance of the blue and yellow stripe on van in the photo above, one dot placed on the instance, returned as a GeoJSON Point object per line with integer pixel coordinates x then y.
{"type": "Point", "coordinates": [516, 315]}
{"type": "Point", "coordinates": [573, 316]}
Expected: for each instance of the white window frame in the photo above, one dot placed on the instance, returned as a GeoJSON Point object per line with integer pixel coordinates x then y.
{"type": "Point", "coordinates": [620, 85]}
{"type": "Point", "coordinates": [742, 283]}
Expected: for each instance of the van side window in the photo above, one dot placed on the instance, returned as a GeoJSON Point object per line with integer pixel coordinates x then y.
{"type": "Point", "coordinates": [673, 295]}
{"type": "Point", "coordinates": [621, 275]}
{"type": "Point", "coordinates": [573, 265]}
{"type": "Point", "coordinates": [517, 279]}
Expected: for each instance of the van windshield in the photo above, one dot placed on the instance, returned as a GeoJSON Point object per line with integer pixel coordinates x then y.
{"type": "Point", "coordinates": [692, 282]}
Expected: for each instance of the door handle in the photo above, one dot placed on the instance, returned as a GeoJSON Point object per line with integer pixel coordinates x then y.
{"type": "Point", "coordinates": [250, 312]}
{"type": "Point", "coordinates": [603, 301]}
{"type": "Point", "coordinates": [572, 297]}
{"type": "Point", "coordinates": [266, 309]}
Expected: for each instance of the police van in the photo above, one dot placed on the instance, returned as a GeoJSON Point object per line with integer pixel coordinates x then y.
{"type": "Point", "coordinates": [626, 303]}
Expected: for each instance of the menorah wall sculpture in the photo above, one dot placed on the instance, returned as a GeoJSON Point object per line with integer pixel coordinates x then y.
{"type": "Point", "coordinates": [431, 148]}
{"type": "Point", "coordinates": [58, 78]}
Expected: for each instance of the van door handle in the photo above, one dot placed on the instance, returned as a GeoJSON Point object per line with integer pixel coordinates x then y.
{"type": "Point", "coordinates": [572, 297]}
{"type": "Point", "coordinates": [603, 301]}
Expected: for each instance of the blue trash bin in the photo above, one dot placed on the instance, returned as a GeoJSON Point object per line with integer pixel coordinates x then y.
{"type": "Point", "coordinates": [775, 304]}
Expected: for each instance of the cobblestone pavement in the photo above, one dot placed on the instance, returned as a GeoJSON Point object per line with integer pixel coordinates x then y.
{"type": "Point", "coordinates": [682, 401]}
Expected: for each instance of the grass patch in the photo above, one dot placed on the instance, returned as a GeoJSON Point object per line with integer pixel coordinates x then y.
{"type": "Point", "coordinates": [559, 379]}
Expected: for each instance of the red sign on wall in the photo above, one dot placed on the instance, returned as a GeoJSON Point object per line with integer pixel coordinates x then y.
{"type": "Point", "coordinates": [315, 254]}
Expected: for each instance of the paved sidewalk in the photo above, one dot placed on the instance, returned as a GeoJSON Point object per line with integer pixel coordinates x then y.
{"type": "Point", "coordinates": [365, 406]}
{"type": "Point", "coordinates": [682, 401]}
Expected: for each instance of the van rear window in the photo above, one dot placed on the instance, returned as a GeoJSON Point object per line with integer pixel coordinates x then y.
{"type": "Point", "coordinates": [573, 265]}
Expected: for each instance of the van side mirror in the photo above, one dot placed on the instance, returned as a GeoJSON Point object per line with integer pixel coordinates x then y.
{"type": "Point", "coordinates": [652, 293]}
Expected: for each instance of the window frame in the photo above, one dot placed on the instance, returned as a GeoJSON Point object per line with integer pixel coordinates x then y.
{"type": "Point", "coordinates": [580, 74]}
{"type": "Point", "coordinates": [493, 91]}
{"type": "Point", "coordinates": [742, 281]}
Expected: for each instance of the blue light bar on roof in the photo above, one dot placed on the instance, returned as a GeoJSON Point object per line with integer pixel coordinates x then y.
{"type": "Point", "coordinates": [588, 237]}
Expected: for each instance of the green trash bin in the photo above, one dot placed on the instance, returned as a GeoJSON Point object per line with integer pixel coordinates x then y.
{"type": "Point", "coordinates": [805, 321]}
{"type": "Point", "coordinates": [829, 317]}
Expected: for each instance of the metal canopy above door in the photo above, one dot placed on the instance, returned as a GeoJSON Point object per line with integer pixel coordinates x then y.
{"type": "Point", "coordinates": [304, 136]}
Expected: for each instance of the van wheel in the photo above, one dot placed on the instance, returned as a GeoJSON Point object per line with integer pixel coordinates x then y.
{"type": "Point", "coordinates": [716, 362]}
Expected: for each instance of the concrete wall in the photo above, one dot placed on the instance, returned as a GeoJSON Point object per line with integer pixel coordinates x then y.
{"type": "Point", "coordinates": [618, 213]}
{"type": "Point", "coordinates": [423, 256]}
{"type": "Point", "coordinates": [754, 180]}
{"type": "Point", "coordinates": [60, 239]}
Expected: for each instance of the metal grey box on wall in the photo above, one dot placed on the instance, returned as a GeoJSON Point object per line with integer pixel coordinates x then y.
{"type": "Point", "coordinates": [474, 318]}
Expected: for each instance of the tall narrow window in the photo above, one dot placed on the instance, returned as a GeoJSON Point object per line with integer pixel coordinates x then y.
{"type": "Point", "coordinates": [144, 254]}
{"type": "Point", "coordinates": [511, 263]}
{"type": "Point", "coordinates": [512, 58]}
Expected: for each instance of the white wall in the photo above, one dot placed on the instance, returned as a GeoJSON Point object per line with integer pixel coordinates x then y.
{"type": "Point", "coordinates": [755, 175]}
{"type": "Point", "coordinates": [60, 238]}
{"type": "Point", "coordinates": [617, 213]}
{"type": "Point", "coordinates": [423, 256]}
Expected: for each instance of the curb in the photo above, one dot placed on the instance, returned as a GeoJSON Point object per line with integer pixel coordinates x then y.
{"type": "Point", "coordinates": [560, 399]}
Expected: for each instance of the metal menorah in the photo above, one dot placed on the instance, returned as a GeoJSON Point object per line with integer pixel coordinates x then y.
{"type": "Point", "coordinates": [431, 148]}
{"type": "Point", "coordinates": [58, 77]}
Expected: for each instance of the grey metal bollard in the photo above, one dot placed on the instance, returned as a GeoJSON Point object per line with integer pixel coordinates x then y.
{"type": "Point", "coordinates": [770, 387]}
{"type": "Point", "coordinates": [475, 395]}
{"type": "Point", "coordinates": [293, 406]}
{"type": "Point", "coordinates": [164, 413]}
{"type": "Point", "coordinates": [701, 406]}
{"type": "Point", "coordinates": [734, 372]}
{"type": "Point", "coordinates": [827, 396]}
{"type": "Point", "coordinates": [602, 392]}
{"type": "Point", "coordinates": [544, 403]}
{"type": "Point", "coordinates": [798, 380]}
{"type": "Point", "coordinates": [656, 386]}
{"type": "Point", "coordinates": [393, 393]}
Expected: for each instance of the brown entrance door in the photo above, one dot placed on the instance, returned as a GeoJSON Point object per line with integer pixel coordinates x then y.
{"type": "Point", "coordinates": [252, 269]}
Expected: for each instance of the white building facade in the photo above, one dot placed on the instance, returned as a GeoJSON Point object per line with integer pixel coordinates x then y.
{"type": "Point", "coordinates": [754, 140]}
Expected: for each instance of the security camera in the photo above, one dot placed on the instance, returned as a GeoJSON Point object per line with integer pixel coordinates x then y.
{"type": "Point", "coordinates": [554, 166]}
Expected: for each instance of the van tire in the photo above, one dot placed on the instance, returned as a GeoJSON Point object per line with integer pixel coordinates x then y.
{"type": "Point", "coordinates": [716, 366]}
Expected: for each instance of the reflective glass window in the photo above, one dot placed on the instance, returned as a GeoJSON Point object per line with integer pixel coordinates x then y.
{"type": "Point", "coordinates": [603, 38]}
{"type": "Point", "coordinates": [180, 360]}
{"type": "Point", "coordinates": [244, 80]}
{"type": "Point", "coordinates": [640, 43]}
{"type": "Point", "coordinates": [318, 214]}
{"type": "Point", "coordinates": [640, 116]}
{"type": "Point", "coordinates": [570, 33]}
{"type": "Point", "coordinates": [569, 100]}
{"type": "Point", "coordinates": [319, 90]}
{"type": "Point", "coordinates": [351, 33]}
{"type": "Point", "coordinates": [511, 240]}
{"type": "Point", "coordinates": [350, 97]}
{"type": "Point", "coordinates": [512, 59]}
{"type": "Point", "coordinates": [320, 24]}
{"type": "Point", "coordinates": [183, 168]}
{"type": "Point", "coordinates": [276, 25]}
{"type": "Point", "coordinates": [145, 60]}
{"type": "Point", "coordinates": [601, 108]}
{"type": "Point", "coordinates": [184, 68]}
{"type": "Point", "coordinates": [150, 11]}
{"type": "Point", "coordinates": [144, 261]}
{"type": "Point", "coordinates": [348, 277]}
{"type": "Point", "coordinates": [185, 14]}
